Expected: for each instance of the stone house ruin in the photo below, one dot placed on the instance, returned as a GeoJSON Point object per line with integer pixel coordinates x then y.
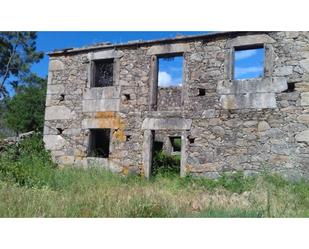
{"type": "Point", "coordinates": [104, 105]}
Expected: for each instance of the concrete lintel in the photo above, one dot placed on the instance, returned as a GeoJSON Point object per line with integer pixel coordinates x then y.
{"type": "Point", "coordinates": [168, 49]}
{"type": "Point", "coordinates": [166, 124]}
{"type": "Point", "coordinates": [248, 101]}
{"type": "Point", "coordinates": [249, 40]}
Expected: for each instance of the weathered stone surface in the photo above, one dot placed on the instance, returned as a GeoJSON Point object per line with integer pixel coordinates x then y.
{"type": "Point", "coordinates": [166, 124]}
{"type": "Point", "coordinates": [305, 64]}
{"type": "Point", "coordinates": [253, 100]}
{"type": "Point", "coordinates": [111, 92]}
{"type": "Point", "coordinates": [166, 49]}
{"type": "Point", "coordinates": [302, 87]}
{"type": "Point", "coordinates": [303, 136]}
{"type": "Point", "coordinates": [218, 131]}
{"type": "Point", "coordinates": [260, 85]}
{"type": "Point", "coordinates": [224, 124]}
{"type": "Point", "coordinates": [59, 113]}
{"type": "Point", "coordinates": [303, 118]}
{"type": "Point", "coordinates": [55, 65]}
{"type": "Point", "coordinates": [104, 163]}
{"type": "Point", "coordinates": [263, 126]}
{"type": "Point", "coordinates": [100, 105]}
{"type": "Point", "coordinates": [249, 40]}
{"type": "Point", "coordinates": [274, 133]}
{"type": "Point", "coordinates": [107, 54]}
{"type": "Point", "coordinates": [56, 89]}
{"type": "Point", "coordinates": [304, 98]}
{"type": "Point", "coordinates": [54, 142]}
{"type": "Point", "coordinates": [284, 71]}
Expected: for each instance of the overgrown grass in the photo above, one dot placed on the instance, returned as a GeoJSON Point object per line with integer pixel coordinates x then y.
{"type": "Point", "coordinates": [165, 164]}
{"type": "Point", "coordinates": [31, 186]}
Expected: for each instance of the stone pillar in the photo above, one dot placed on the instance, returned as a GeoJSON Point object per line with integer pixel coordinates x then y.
{"type": "Point", "coordinates": [153, 83]}
{"type": "Point", "coordinates": [147, 152]}
{"type": "Point", "coordinates": [184, 154]}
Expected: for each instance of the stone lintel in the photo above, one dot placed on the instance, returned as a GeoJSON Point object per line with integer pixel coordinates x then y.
{"type": "Point", "coordinates": [101, 123]}
{"type": "Point", "coordinates": [248, 101]}
{"type": "Point", "coordinates": [58, 113]}
{"type": "Point", "coordinates": [258, 85]}
{"type": "Point", "coordinates": [110, 92]}
{"type": "Point", "coordinates": [166, 124]}
{"type": "Point", "coordinates": [100, 105]}
{"type": "Point", "coordinates": [249, 40]}
{"type": "Point", "coordinates": [168, 49]}
{"type": "Point", "coordinates": [106, 54]}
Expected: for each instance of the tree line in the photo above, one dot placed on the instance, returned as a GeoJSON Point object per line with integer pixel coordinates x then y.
{"type": "Point", "coordinates": [22, 92]}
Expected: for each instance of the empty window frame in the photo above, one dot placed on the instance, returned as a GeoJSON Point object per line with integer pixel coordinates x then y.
{"type": "Point", "coordinates": [170, 70]}
{"type": "Point", "coordinates": [103, 72]}
{"type": "Point", "coordinates": [248, 62]}
{"type": "Point", "coordinates": [176, 143]}
{"type": "Point", "coordinates": [99, 143]}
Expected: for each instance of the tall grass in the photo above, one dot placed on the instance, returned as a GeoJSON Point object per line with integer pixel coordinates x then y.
{"type": "Point", "coordinates": [94, 192]}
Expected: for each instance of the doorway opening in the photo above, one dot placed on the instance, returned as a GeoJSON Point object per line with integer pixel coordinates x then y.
{"type": "Point", "coordinates": [164, 160]}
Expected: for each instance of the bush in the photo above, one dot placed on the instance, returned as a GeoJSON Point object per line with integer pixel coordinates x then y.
{"type": "Point", "coordinates": [27, 163]}
{"type": "Point", "coordinates": [165, 164]}
{"type": "Point", "coordinates": [236, 182]}
{"type": "Point", "coordinates": [25, 110]}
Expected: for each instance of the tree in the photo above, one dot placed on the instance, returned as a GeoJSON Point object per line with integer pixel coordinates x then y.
{"type": "Point", "coordinates": [17, 54]}
{"type": "Point", "coordinates": [25, 110]}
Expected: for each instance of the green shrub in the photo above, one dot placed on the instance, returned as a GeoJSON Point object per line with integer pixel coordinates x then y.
{"type": "Point", "coordinates": [164, 164]}
{"type": "Point", "coordinates": [27, 163]}
{"type": "Point", "coordinates": [236, 182]}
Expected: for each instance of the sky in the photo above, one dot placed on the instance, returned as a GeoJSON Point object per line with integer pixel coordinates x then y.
{"type": "Point", "coordinates": [248, 63]}
{"type": "Point", "coordinates": [170, 71]}
{"type": "Point", "coordinates": [49, 41]}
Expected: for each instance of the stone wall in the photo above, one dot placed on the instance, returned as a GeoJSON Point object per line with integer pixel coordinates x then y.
{"type": "Point", "coordinates": [234, 125]}
{"type": "Point", "coordinates": [169, 98]}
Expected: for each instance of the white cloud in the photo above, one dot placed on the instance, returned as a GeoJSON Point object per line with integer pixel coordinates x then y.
{"type": "Point", "coordinates": [241, 71]}
{"type": "Point", "coordinates": [239, 55]}
{"type": "Point", "coordinates": [165, 79]}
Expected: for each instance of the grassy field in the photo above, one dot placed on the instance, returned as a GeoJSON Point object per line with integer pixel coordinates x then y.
{"type": "Point", "coordinates": [98, 193]}
{"type": "Point", "coordinates": [30, 186]}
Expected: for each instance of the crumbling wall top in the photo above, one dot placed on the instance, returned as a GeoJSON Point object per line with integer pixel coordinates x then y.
{"type": "Point", "coordinates": [105, 45]}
